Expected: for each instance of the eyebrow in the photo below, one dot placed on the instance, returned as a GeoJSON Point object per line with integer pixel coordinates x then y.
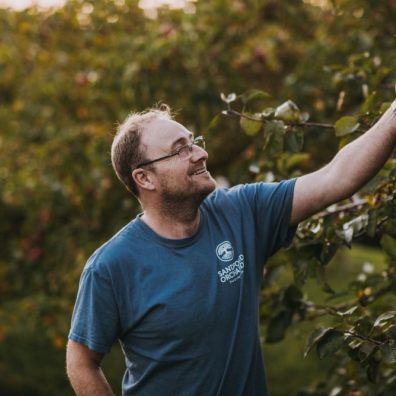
{"type": "Point", "coordinates": [182, 139]}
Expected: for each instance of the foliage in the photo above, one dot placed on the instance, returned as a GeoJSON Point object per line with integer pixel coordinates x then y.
{"type": "Point", "coordinates": [361, 334]}
{"type": "Point", "coordinates": [68, 75]}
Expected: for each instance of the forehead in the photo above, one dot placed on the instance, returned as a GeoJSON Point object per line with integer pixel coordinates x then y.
{"type": "Point", "coordinates": [159, 135]}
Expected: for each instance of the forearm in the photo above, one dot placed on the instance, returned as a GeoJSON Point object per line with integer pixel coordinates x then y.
{"type": "Point", "coordinates": [89, 381]}
{"type": "Point", "coordinates": [350, 169]}
{"type": "Point", "coordinates": [359, 161]}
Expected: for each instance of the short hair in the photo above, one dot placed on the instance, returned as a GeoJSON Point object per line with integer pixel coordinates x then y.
{"type": "Point", "coordinates": [126, 150]}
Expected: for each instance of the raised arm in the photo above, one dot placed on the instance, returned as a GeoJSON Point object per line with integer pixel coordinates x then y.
{"type": "Point", "coordinates": [352, 167]}
{"type": "Point", "coordinates": [84, 372]}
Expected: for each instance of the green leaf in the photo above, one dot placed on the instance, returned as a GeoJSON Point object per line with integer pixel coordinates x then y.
{"type": "Point", "coordinates": [346, 125]}
{"type": "Point", "coordinates": [385, 106]}
{"type": "Point", "coordinates": [390, 210]}
{"type": "Point", "coordinates": [278, 325]}
{"type": "Point", "coordinates": [330, 343]}
{"type": "Point", "coordinates": [353, 353]}
{"type": "Point", "coordinates": [327, 253]}
{"type": "Point", "coordinates": [292, 297]}
{"type": "Point", "coordinates": [391, 331]}
{"type": "Point", "coordinates": [388, 353]}
{"type": "Point", "coordinates": [273, 137]}
{"type": "Point", "coordinates": [295, 141]}
{"type": "Point", "coordinates": [275, 127]}
{"type": "Point", "coordinates": [384, 318]}
{"type": "Point", "coordinates": [294, 160]}
{"type": "Point", "coordinates": [372, 222]}
{"type": "Point", "coordinates": [322, 281]}
{"type": "Point", "coordinates": [372, 370]}
{"type": "Point", "coordinates": [214, 122]}
{"type": "Point", "coordinates": [300, 272]}
{"type": "Point", "coordinates": [363, 325]}
{"type": "Point", "coordinates": [366, 350]}
{"type": "Point", "coordinates": [389, 245]}
{"type": "Point", "coordinates": [315, 336]}
{"type": "Point", "coordinates": [349, 312]}
{"type": "Point", "coordinates": [268, 113]}
{"type": "Point", "coordinates": [369, 103]}
{"type": "Point", "coordinates": [253, 94]}
{"type": "Point", "coordinates": [288, 112]}
{"type": "Point", "coordinates": [250, 127]}
{"type": "Point", "coordinates": [392, 174]}
{"type": "Point", "coordinates": [360, 351]}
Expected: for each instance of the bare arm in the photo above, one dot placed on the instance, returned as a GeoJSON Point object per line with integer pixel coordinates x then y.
{"type": "Point", "coordinates": [84, 372]}
{"type": "Point", "coordinates": [352, 167]}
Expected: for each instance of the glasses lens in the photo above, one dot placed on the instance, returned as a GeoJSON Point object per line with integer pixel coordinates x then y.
{"type": "Point", "coordinates": [200, 142]}
{"type": "Point", "coordinates": [184, 152]}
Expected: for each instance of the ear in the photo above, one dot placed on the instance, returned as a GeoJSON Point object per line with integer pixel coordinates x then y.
{"type": "Point", "coordinates": [143, 179]}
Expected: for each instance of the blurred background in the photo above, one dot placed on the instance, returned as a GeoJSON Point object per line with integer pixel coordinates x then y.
{"type": "Point", "coordinates": [70, 71]}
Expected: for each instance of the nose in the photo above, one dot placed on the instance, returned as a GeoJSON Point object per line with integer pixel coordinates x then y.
{"type": "Point", "coordinates": [198, 154]}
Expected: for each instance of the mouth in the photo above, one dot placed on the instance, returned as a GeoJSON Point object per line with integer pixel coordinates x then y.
{"type": "Point", "coordinates": [199, 171]}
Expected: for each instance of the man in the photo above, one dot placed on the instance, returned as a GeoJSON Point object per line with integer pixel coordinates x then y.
{"type": "Point", "coordinates": [178, 286]}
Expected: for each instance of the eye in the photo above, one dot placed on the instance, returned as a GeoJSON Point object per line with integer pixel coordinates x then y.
{"type": "Point", "coordinates": [184, 151]}
{"type": "Point", "coordinates": [181, 144]}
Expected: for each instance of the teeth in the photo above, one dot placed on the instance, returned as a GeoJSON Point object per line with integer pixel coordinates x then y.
{"type": "Point", "coordinates": [197, 172]}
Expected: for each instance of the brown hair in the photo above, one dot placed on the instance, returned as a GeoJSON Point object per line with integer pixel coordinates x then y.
{"type": "Point", "coordinates": [126, 151]}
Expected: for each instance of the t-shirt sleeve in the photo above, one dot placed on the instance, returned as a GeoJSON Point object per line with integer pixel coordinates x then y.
{"type": "Point", "coordinates": [95, 319]}
{"type": "Point", "coordinates": [272, 205]}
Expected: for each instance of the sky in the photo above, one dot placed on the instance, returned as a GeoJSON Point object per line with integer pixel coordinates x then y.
{"type": "Point", "coordinates": [21, 4]}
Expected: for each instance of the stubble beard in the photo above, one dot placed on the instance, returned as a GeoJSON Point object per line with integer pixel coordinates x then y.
{"type": "Point", "coordinates": [184, 204]}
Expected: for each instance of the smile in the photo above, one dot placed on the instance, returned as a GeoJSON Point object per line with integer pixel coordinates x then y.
{"type": "Point", "coordinates": [199, 171]}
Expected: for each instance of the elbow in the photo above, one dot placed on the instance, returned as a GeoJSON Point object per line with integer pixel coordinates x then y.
{"type": "Point", "coordinates": [79, 355]}
{"type": "Point", "coordinates": [72, 363]}
{"type": "Point", "coordinates": [79, 359]}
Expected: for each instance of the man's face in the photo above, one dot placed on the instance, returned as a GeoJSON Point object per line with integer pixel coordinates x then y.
{"type": "Point", "coordinates": [175, 178]}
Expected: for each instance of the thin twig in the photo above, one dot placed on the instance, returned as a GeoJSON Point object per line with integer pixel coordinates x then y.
{"type": "Point", "coordinates": [292, 124]}
{"type": "Point", "coordinates": [335, 310]}
{"type": "Point", "coordinates": [301, 124]}
{"type": "Point", "coordinates": [364, 338]}
{"type": "Point", "coordinates": [342, 208]}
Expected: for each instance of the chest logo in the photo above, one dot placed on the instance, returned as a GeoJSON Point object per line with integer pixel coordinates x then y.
{"type": "Point", "coordinates": [225, 251]}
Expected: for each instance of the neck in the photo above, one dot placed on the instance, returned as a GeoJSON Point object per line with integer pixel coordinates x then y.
{"type": "Point", "coordinates": [173, 221]}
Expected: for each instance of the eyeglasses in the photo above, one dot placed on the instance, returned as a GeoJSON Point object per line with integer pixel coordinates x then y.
{"type": "Point", "coordinates": [183, 152]}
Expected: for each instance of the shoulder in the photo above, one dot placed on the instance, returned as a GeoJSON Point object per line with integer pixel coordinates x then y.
{"type": "Point", "coordinates": [114, 252]}
{"type": "Point", "coordinates": [249, 192]}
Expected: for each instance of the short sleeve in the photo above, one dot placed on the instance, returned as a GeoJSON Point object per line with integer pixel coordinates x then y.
{"type": "Point", "coordinates": [95, 320]}
{"type": "Point", "coordinates": [272, 205]}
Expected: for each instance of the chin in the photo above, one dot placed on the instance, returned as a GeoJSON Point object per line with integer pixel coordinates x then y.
{"type": "Point", "coordinates": [193, 192]}
{"type": "Point", "coordinates": [205, 190]}
{"type": "Point", "coordinates": [209, 186]}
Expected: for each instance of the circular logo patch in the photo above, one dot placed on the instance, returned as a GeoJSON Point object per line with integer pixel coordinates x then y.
{"type": "Point", "coordinates": [225, 251]}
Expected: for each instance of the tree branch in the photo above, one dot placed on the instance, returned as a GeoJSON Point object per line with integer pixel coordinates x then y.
{"type": "Point", "coordinates": [235, 113]}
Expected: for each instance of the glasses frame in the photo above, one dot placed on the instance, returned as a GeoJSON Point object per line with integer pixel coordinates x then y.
{"type": "Point", "coordinates": [198, 141]}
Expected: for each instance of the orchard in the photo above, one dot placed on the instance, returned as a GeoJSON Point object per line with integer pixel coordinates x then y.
{"type": "Point", "coordinates": [276, 88]}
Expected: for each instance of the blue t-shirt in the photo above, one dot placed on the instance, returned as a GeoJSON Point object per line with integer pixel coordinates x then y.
{"type": "Point", "coordinates": [186, 311]}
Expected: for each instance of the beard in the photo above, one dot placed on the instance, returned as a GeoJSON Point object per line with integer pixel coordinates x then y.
{"type": "Point", "coordinates": [183, 202]}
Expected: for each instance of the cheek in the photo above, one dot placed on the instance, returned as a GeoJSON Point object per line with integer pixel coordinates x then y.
{"type": "Point", "coordinates": [179, 173]}
{"type": "Point", "coordinates": [175, 178]}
